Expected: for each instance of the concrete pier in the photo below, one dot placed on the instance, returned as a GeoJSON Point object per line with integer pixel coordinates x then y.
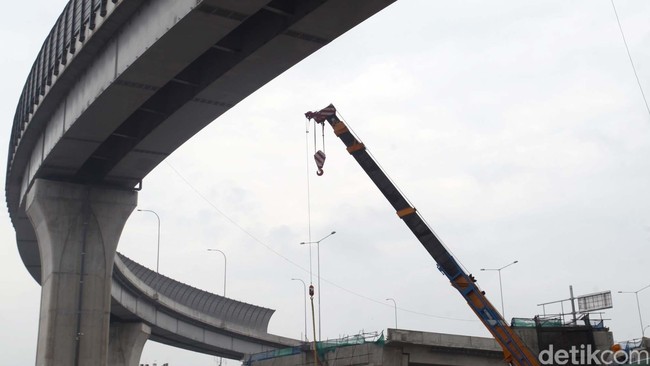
{"type": "Point", "coordinates": [126, 342]}
{"type": "Point", "coordinates": [78, 228]}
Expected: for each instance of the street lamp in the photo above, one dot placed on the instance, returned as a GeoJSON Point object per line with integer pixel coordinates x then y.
{"type": "Point", "coordinates": [304, 285]}
{"type": "Point", "coordinates": [225, 263]}
{"type": "Point", "coordinates": [317, 242]}
{"type": "Point", "coordinates": [395, 305]}
{"type": "Point", "coordinates": [500, 283]}
{"type": "Point", "coordinates": [636, 293]}
{"type": "Point", "coordinates": [158, 251]}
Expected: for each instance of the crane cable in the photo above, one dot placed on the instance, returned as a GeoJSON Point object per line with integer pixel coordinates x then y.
{"type": "Point", "coordinates": [311, 273]}
{"type": "Point", "coordinates": [629, 55]}
{"type": "Point", "coordinates": [319, 155]}
{"type": "Point", "coordinates": [255, 239]}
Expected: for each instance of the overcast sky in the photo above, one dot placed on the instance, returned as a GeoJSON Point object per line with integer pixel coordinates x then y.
{"type": "Point", "coordinates": [516, 128]}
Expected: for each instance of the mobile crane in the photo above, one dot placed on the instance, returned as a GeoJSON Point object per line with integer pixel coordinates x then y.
{"type": "Point", "coordinates": [515, 351]}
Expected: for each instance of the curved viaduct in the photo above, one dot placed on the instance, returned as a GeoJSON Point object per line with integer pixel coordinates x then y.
{"type": "Point", "coordinates": [183, 316]}
{"type": "Point", "coordinates": [117, 86]}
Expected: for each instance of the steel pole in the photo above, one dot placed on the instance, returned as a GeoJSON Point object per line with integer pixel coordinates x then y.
{"type": "Point", "coordinates": [318, 274]}
{"type": "Point", "coordinates": [638, 306]}
{"type": "Point", "coordinates": [158, 250]}
{"type": "Point", "coordinates": [320, 289]}
{"type": "Point", "coordinates": [503, 311]}
{"type": "Point", "coordinates": [225, 265]}
{"type": "Point", "coordinates": [395, 307]}
{"type": "Point", "coordinates": [304, 285]}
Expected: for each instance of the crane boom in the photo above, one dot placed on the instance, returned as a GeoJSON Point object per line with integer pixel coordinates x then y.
{"type": "Point", "coordinates": [515, 351]}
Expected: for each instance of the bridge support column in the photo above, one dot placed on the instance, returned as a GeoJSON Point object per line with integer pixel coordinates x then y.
{"type": "Point", "coordinates": [78, 228]}
{"type": "Point", "coordinates": [126, 342]}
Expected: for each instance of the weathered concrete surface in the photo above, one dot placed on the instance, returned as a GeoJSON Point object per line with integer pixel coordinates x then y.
{"type": "Point", "coordinates": [439, 349]}
{"type": "Point", "coordinates": [565, 337]}
{"type": "Point", "coordinates": [183, 316]}
{"type": "Point", "coordinates": [402, 348]}
{"type": "Point", "coordinates": [529, 336]}
{"type": "Point", "coordinates": [146, 78]}
{"type": "Point", "coordinates": [363, 354]}
{"type": "Point", "coordinates": [603, 340]}
{"type": "Point", "coordinates": [77, 228]}
{"type": "Point", "coordinates": [163, 73]}
{"type": "Point", "coordinates": [125, 344]}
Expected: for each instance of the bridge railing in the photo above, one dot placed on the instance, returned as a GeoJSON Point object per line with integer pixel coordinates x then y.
{"type": "Point", "coordinates": [70, 27]}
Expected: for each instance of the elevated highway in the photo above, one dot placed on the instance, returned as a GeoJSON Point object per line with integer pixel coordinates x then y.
{"type": "Point", "coordinates": [110, 96]}
{"type": "Point", "coordinates": [117, 86]}
{"type": "Point", "coordinates": [186, 317]}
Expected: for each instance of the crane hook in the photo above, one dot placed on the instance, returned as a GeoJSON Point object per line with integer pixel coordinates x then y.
{"type": "Point", "coordinates": [319, 156]}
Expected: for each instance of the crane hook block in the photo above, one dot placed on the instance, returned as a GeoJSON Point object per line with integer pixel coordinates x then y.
{"type": "Point", "coordinates": [319, 156]}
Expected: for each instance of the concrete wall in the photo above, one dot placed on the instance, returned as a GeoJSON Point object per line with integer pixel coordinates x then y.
{"type": "Point", "coordinates": [603, 339]}
{"type": "Point", "coordinates": [406, 347]}
{"type": "Point", "coordinates": [403, 348]}
{"type": "Point", "coordinates": [363, 354]}
{"type": "Point", "coordinates": [445, 349]}
{"type": "Point", "coordinates": [529, 336]}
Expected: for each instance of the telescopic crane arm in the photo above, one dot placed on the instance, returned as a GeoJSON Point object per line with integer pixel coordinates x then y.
{"type": "Point", "coordinates": [515, 351]}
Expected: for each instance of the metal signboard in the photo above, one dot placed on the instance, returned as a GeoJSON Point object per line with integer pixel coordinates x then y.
{"type": "Point", "coordinates": [596, 301]}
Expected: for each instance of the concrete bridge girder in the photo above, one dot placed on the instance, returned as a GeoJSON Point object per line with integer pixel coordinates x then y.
{"type": "Point", "coordinates": [126, 72]}
{"type": "Point", "coordinates": [200, 331]}
{"type": "Point", "coordinates": [147, 78]}
{"type": "Point", "coordinates": [156, 43]}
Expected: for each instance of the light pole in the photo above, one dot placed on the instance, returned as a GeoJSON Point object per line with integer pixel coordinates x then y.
{"type": "Point", "coordinates": [395, 305]}
{"type": "Point", "coordinates": [638, 306]}
{"type": "Point", "coordinates": [158, 251]}
{"type": "Point", "coordinates": [317, 242]}
{"type": "Point", "coordinates": [503, 312]}
{"type": "Point", "coordinates": [304, 285]}
{"type": "Point", "coordinates": [225, 264]}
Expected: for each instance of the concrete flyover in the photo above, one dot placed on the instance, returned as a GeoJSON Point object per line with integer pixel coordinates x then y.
{"type": "Point", "coordinates": [117, 86]}
{"type": "Point", "coordinates": [183, 316]}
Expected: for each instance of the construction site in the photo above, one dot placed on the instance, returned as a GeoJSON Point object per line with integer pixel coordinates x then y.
{"type": "Point", "coordinates": [577, 336]}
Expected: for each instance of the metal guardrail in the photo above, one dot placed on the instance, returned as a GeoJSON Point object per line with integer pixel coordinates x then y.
{"type": "Point", "coordinates": [62, 39]}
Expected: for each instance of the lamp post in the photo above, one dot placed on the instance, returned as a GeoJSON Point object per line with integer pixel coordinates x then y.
{"type": "Point", "coordinates": [158, 251]}
{"type": "Point", "coordinates": [225, 264]}
{"type": "Point", "coordinates": [304, 285]}
{"type": "Point", "coordinates": [503, 312]}
{"type": "Point", "coordinates": [317, 242]}
{"type": "Point", "coordinates": [638, 306]}
{"type": "Point", "coordinates": [395, 305]}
